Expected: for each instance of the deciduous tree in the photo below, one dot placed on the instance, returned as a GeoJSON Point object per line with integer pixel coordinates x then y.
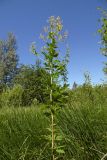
{"type": "Point", "coordinates": [8, 59]}
{"type": "Point", "coordinates": [103, 34]}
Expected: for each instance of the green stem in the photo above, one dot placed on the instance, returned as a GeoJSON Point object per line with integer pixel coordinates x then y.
{"type": "Point", "coordinates": [52, 118]}
{"type": "Point", "coordinates": [52, 115]}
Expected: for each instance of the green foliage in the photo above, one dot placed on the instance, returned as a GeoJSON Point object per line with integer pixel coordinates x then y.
{"type": "Point", "coordinates": [53, 64]}
{"type": "Point", "coordinates": [8, 59]}
{"type": "Point", "coordinates": [34, 81]}
{"type": "Point", "coordinates": [82, 126]}
{"type": "Point", "coordinates": [103, 33]}
{"type": "Point", "coordinates": [52, 61]}
{"type": "Point", "coordinates": [12, 97]}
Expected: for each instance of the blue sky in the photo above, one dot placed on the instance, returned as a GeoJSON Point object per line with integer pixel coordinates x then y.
{"type": "Point", "coordinates": [26, 18]}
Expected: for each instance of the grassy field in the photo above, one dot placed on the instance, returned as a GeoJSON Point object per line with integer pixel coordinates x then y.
{"type": "Point", "coordinates": [82, 123]}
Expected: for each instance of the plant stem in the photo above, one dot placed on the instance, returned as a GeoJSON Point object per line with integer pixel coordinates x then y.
{"type": "Point", "coordinates": [104, 157]}
{"type": "Point", "coordinates": [52, 116]}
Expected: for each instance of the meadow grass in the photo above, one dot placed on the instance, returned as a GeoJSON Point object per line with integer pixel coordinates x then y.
{"type": "Point", "coordinates": [82, 124]}
{"type": "Point", "coordinates": [21, 134]}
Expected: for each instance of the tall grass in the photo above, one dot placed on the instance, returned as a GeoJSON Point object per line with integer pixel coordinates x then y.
{"type": "Point", "coordinates": [85, 132]}
{"type": "Point", "coordinates": [82, 124]}
{"type": "Point", "coordinates": [21, 134]}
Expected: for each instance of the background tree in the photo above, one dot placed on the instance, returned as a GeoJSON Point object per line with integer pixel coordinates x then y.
{"type": "Point", "coordinates": [74, 86]}
{"type": "Point", "coordinates": [8, 59]}
{"type": "Point", "coordinates": [34, 82]}
{"type": "Point", "coordinates": [103, 34]}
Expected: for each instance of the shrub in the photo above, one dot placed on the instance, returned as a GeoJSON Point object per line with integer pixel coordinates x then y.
{"type": "Point", "coordinates": [12, 97]}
